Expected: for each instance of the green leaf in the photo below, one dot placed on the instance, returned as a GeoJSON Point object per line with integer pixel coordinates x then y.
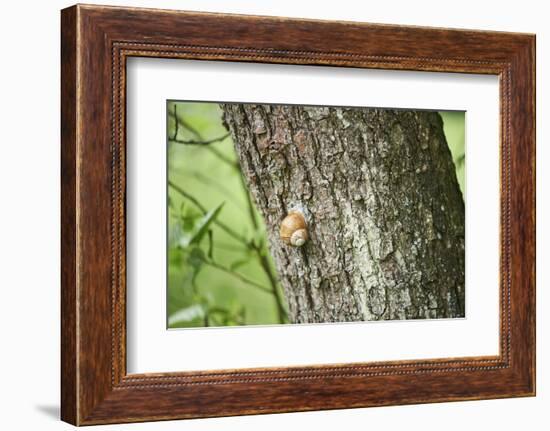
{"type": "Point", "coordinates": [188, 216]}
{"type": "Point", "coordinates": [206, 221]}
{"type": "Point", "coordinates": [194, 260]}
{"type": "Point", "coordinates": [174, 234]}
{"type": "Point", "coordinates": [188, 314]}
{"type": "Point", "coordinates": [175, 258]}
{"type": "Point", "coordinates": [200, 228]}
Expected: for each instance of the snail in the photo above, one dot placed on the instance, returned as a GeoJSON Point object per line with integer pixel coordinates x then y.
{"type": "Point", "coordinates": [293, 229]}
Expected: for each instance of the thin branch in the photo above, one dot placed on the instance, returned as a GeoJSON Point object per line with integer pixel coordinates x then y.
{"type": "Point", "coordinates": [188, 127]}
{"type": "Point", "coordinates": [199, 142]}
{"type": "Point", "coordinates": [188, 196]}
{"type": "Point", "coordinates": [195, 202]}
{"type": "Point", "coordinates": [199, 139]}
{"type": "Point", "coordinates": [210, 244]}
{"type": "Point", "coordinates": [177, 122]}
{"type": "Point", "coordinates": [233, 163]}
{"type": "Point", "coordinates": [224, 190]}
{"type": "Point", "coordinates": [238, 276]}
{"type": "Point", "coordinates": [264, 262]}
{"type": "Point", "coordinates": [281, 312]}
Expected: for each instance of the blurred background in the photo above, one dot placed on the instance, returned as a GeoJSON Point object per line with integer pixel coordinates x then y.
{"type": "Point", "coordinates": [220, 272]}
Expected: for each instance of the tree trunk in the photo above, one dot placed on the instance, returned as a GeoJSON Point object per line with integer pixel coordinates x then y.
{"type": "Point", "coordinates": [384, 210]}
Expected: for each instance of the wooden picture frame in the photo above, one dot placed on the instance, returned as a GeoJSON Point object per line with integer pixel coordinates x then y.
{"type": "Point", "coordinates": [96, 41]}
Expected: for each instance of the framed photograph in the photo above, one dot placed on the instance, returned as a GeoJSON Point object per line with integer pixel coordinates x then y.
{"type": "Point", "coordinates": [264, 215]}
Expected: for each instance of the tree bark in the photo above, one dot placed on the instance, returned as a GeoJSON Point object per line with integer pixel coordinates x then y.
{"type": "Point", "coordinates": [384, 209]}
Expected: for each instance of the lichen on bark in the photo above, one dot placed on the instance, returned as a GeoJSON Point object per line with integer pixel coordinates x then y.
{"type": "Point", "coordinates": [384, 209]}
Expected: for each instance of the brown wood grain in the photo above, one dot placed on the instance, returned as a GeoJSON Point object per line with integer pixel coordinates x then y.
{"type": "Point", "coordinates": [68, 217]}
{"type": "Point", "coordinates": [96, 41]}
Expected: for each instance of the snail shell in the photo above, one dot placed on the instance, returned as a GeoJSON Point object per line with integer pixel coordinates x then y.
{"type": "Point", "coordinates": [293, 229]}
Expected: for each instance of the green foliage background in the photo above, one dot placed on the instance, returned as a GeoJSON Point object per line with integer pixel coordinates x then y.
{"type": "Point", "coordinates": [218, 263]}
